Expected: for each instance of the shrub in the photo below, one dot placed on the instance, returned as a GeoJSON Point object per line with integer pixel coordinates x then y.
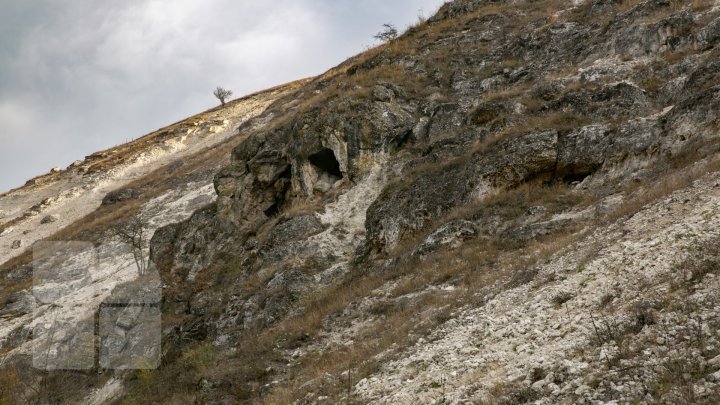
{"type": "Point", "coordinates": [388, 33]}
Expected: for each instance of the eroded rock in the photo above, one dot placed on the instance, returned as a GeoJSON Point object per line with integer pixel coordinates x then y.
{"type": "Point", "coordinates": [121, 195]}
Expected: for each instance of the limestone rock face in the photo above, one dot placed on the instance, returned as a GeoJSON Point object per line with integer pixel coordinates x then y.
{"type": "Point", "coordinates": [410, 204]}
{"type": "Point", "coordinates": [512, 202]}
{"type": "Point", "coordinates": [670, 33]}
{"type": "Point", "coordinates": [367, 168]}
{"type": "Point", "coordinates": [18, 303]}
{"type": "Point", "coordinates": [472, 148]}
{"type": "Point", "coordinates": [709, 34]}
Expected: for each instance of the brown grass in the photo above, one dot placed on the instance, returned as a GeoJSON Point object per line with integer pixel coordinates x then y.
{"type": "Point", "coordinates": [507, 204]}
{"type": "Point", "coordinates": [260, 354]}
{"type": "Point", "coordinates": [644, 194]}
{"type": "Point", "coordinates": [560, 121]}
{"type": "Point", "coordinates": [400, 326]}
{"type": "Point", "coordinates": [470, 268]}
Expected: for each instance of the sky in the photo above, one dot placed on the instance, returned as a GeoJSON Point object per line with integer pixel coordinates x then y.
{"type": "Point", "coordinates": [78, 76]}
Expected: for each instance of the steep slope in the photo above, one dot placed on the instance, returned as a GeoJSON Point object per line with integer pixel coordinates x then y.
{"type": "Point", "coordinates": [512, 202]}
{"type": "Point", "coordinates": [628, 312]}
{"type": "Point", "coordinates": [162, 177]}
{"type": "Point", "coordinates": [479, 151]}
{"type": "Point", "coordinates": [64, 196]}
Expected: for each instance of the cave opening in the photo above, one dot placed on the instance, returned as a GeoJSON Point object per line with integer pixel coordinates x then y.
{"type": "Point", "coordinates": [325, 160]}
{"type": "Point", "coordinates": [575, 177]}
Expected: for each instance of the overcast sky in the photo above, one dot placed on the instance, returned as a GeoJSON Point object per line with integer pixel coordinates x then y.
{"type": "Point", "coordinates": [78, 76]}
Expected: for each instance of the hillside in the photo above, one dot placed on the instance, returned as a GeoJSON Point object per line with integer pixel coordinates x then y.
{"type": "Point", "coordinates": [512, 202]}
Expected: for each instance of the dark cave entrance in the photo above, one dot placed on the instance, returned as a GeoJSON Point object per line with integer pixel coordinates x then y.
{"type": "Point", "coordinates": [325, 161]}
{"type": "Point", "coordinates": [575, 177]}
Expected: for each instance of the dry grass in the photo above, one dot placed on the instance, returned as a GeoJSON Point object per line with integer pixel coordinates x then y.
{"type": "Point", "coordinates": [559, 121]}
{"type": "Point", "coordinates": [628, 7]}
{"type": "Point", "coordinates": [399, 326]}
{"type": "Point", "coordinates": [506, 93]}
{"type": "Point", "coordinates": [651, 84]}
{"type": "Point", "coordinates": [10, 384]}
{"type": "Point", "coordinates": [470, 268]}
{"type": "Point", "coordinates": [673, 57]}
{"type": "Point", "coordinates": [506, 204]}
{"type": "Point", "coordinates": [646, 193]}
{"type": "Point", "coordinates": [476, 266]}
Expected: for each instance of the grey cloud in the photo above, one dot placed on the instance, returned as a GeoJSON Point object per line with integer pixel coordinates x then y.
{"type": "Point", "coordinates": [78, 76]}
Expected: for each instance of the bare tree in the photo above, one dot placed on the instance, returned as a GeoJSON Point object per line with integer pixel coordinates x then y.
{"type": "Point", "coordinates": [388, 33]}
{"type": "Point", "coordinates": [222, 94]}
{"type": "Point", "coordinates": [133, 233]}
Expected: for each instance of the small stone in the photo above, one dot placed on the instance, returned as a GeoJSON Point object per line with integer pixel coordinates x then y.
{"type": "Point", "coordinates": [538, 385]}
{"type": "Point", "coordinates": [325, 183]}
{"type": "Point", "coordinates": [536, 210]}
{"type": "Point", "coordinates": [660, 340]}
{"type": "Point", "coordinates": [49, 219]}
{"type": "Point", "coordinates": [16, 244]}
{"type": "Point", "coordinates": [251, 244]}
{"type": "Point", "coordinates": [382, 93]}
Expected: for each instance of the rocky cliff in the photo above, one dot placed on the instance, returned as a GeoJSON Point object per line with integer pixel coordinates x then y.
{"type": "Point", "coordinates": [513, 202]}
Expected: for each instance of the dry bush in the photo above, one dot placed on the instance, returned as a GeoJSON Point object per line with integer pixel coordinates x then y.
{"type": "Point", "coordinates": [651, 84]}
{"type": "Point", "coordinates": [700, 6]}
{"type": "Point", "coordinates": [201, 356]}
{"type": "Point", "coordinates": [10, 385]}
{"type": "Point", "coordinates": [673, 57]}
{"type": "Point", "coordinates": [703, 260]}
{"type": "Point", "coordinates": [676, 381]}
